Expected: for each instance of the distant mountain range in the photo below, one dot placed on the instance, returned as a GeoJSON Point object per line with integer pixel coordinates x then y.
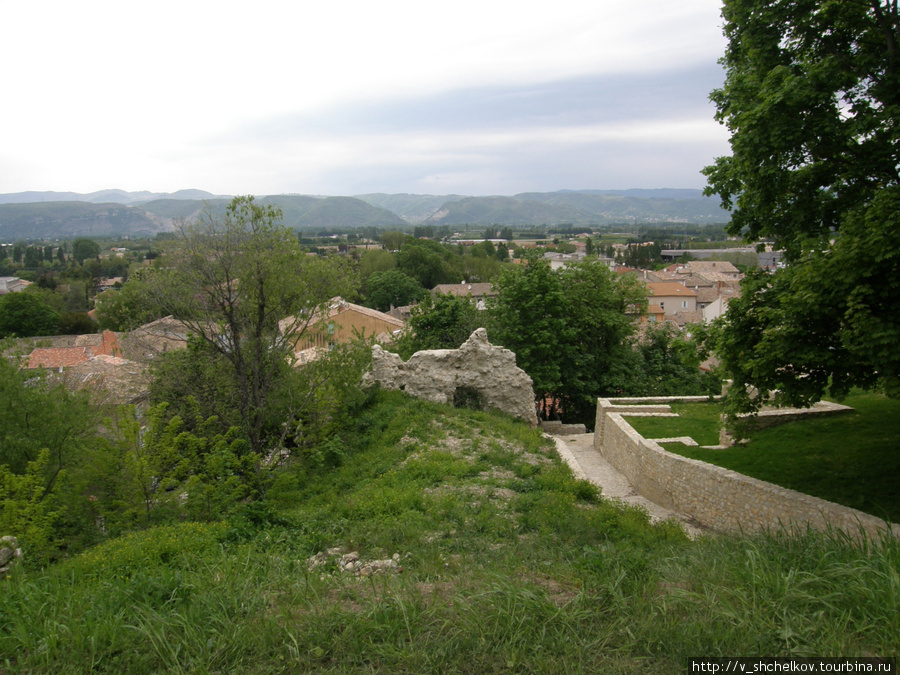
{"type": "Point", "coordinates": [49, 215]}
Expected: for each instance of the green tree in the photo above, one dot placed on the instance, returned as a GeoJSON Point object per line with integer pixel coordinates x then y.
{"type": "Point", "coordinates": [127, 308]}
{"type": "Point", "coordinates": [82, 249]}
{"type": "Point", "coordinates": [242, 285]}
{"type": "Point", "coordinates": [443, 321]}
{"type": "Point", "coordinates": [429, 263]}
{"type": "Point", "coordinates": [812, 98]}
{"type": "Point", "coordinates": [33, 257]}
{"type": "Point", "coordinates": [27, 509]}
{"type": "Point", "coordinates": [392, 288]}
{"type": "Point", "coordinates": [394, 241]}
{"type": "Point", "coordinates": [600, 309]}
{"type": "Point", "coordinates": [529, 316]}
{"type": "Point", "coordinates": [77, 323]}
{"type": "Point", "coordinates": [26, 315]}
{"type": "Point", "coordinates": [36, 414]}
{"type": "Point", "coordinates": [375, 260]}
{"type": "Point", "coordinates": [670, 364]}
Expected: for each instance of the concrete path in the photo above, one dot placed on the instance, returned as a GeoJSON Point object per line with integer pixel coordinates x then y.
{"type": "Point", "coordinates": [578, 452]}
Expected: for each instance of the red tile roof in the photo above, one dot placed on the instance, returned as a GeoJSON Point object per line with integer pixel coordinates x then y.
{"type": "Point", "coordinates": [87, 346]}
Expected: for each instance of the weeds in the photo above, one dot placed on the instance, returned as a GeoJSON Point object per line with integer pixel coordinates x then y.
{"type": "Point", "coordinates": [505, 569]}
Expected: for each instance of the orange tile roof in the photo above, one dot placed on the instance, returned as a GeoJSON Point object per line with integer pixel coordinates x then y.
{"type": "Point", "coordinates": [59, 357]}
{"type": "Point", "coordinates": [669, 289]}
{"type": "Point", "coordinates": [86, 347]}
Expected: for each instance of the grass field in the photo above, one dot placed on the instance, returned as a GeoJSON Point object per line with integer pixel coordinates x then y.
{"type": "Point", "coordinates": [504, 564]}
{"type": "Point", "coordinates": [851, 459]}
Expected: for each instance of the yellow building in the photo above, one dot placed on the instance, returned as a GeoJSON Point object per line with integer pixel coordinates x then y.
{"type": "Point", "coordinates": [340, 322]}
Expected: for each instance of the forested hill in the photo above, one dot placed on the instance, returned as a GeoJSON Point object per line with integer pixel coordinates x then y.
{"type": "Point", "coordinates": [66, 219]}
{"type": "Point", "coordinates": [36, 215]}
{"type": "Point", "coordinates": [583, 208]}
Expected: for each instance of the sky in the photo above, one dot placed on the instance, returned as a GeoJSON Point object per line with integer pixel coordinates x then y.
{"type": "Point", "coordinates": [473, 97]}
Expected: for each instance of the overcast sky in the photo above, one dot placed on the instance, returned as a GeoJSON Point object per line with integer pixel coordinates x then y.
{"type": "Point", "coordinates": [341, 97]}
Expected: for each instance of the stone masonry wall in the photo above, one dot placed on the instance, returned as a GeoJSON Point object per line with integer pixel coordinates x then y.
{"type": "Point", "coordinates": [477, 368]}
{"type": "Point", "coordinates": [717, 498]}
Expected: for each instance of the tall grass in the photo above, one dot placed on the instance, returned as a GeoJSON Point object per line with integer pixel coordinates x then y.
{"type": "Point", "coordinates": [508, 565]}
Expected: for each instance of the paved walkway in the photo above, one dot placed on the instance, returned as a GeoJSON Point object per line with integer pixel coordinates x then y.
{"type": "Point", "coordinates": [578, 452]}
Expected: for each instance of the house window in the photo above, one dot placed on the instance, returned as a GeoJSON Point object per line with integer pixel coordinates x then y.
{"type": "Point", "coordinates": [662, 304]}
{"type": "Point", "coordinates": [684, 304]}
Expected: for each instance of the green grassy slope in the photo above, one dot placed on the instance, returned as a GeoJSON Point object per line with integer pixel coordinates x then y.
{"type": "Point", "coordinates": [502, 562]}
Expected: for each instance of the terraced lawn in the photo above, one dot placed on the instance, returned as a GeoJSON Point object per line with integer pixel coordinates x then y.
{"type": "Point", "coordinates": [851, 459]}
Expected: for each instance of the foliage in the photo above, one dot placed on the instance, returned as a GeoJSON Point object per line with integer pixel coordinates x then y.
{"type": "Point", "coordinates": [201, 474]}
{"type": "Point", "coordinates": [428, 262]}
{"type": "Point", "coordinates": [509, 564]}
{"type": "Point", "coordinates": [670, 364]}
{"type": "Point", "coordinates": [600, 310]}
{"type": "Point", "coordinates": [195, 382]}
{"type": "Point", "coordinates": [375, 260]}
{"type": "Point", "coordinates": [811, 98]}
{"type": "Point", "coordinates": [26, 315]}
{"type": "Point", "coordinates": [44, 426]}
{"type": "Point", "coordinates": [129, 307]}
{"type": "Point", "coordinates": [529, 317]}
{"type": "Point", "coordinates": [443, 321]}
{"type": "Point", "coordinates": [77, 323]}
{"type": "Point", "coordinates": [37, 414]}
{"type": "Point", "coordinates": [570, 331]}
{"type": "Point", "coordinates": [82, 249]}
{"type": "Point", "coordinates": [233, 280]}
{"type": "Point", "coordinates": [27, 509]}
{"type": "Point", "coordinates": [392, 288]}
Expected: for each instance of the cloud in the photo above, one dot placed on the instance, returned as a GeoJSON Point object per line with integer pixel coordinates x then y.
{"type": "Point", "coordinates": [640, 130]}
{"type": "Point", "coordinates": [305, 97]}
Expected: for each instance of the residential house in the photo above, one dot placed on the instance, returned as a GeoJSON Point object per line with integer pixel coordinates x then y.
{"type": "Point", "coordinates": [558, 259]}
{"type": "Point", "coordinates": [145, 343]}
{"type": "Point", "coordinates": [716, 309]}
{"type": "Point", "coordinates": [477, 292]}
{"type": "Point", "coordinates": [12, 285]}
{"type": "Point", "coordinates": [93, 363]}
{"type": "Point", "coordinates": [670, 297]}
{"type": "Point", "coordinates": [85, 347]}
{"type": "Point", "coordinates": [341, 322]}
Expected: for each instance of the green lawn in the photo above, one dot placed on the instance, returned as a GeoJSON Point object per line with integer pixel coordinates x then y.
{"type": "Point", "coordinates": [700, 421]}
{"type": "Point", "coordinates": [851, 459]}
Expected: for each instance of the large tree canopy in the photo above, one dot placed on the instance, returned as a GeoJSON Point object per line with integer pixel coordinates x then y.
{"type": "Point", "coordinates": [26, 315]}
{"type": "Point", "coordinates": [812, 100]}
{"type": "Point", "coordinates": [245, 289]}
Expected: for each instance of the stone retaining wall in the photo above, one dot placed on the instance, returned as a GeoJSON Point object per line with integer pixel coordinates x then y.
{"type": "Point", "coordinates": [717, 498]}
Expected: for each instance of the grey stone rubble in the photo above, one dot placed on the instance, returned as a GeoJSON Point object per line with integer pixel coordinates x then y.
{"type": "Point", "coordinates": [9, 552]}
{"type": "Point", "coordinates": [351, 563]}
{"type": "Point", "coordinates": [440, 375]}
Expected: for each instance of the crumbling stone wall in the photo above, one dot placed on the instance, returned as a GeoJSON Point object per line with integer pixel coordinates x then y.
{"type": "Point", "coordinates": [478, 372]}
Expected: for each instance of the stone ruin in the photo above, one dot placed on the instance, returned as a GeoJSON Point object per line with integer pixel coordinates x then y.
{"type": "Point", "coordinates": [478, 374]}
{"type": "Point", "coordinates": [9, 551]}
